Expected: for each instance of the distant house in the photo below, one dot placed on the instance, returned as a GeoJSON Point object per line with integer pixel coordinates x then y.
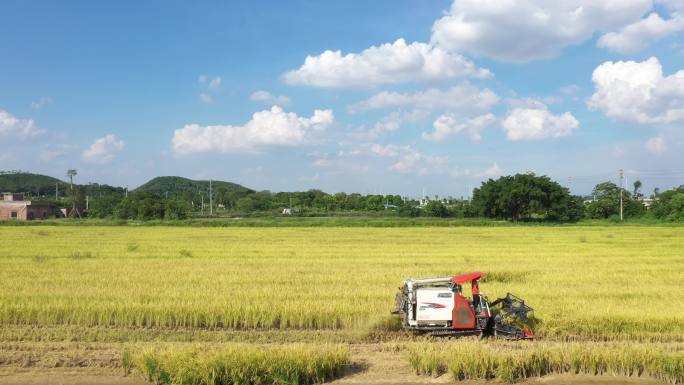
{"type": "Point", "coordinates": [423, 202]}
{"type": "Point", "coordinates": [648, 202]}
{"type": "Point", "coordinates": [290, 211]}
{"type": "Point", "coordinates": [14, 206]}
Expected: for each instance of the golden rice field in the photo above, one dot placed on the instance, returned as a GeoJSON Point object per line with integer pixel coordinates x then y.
{"type": "Point", "coordinates": [590, 282]}
{"type": "Point", "coordinates": [146, 286]}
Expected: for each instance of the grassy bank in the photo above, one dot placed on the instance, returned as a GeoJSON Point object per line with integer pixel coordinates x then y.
{"type": "Point", "coordinates": [338, 221]}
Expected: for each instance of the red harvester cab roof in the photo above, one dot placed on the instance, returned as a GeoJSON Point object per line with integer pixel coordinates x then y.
{"type": "Point", "coordinates": [466, 277]}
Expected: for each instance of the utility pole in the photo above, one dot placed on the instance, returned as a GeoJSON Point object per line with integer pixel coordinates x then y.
{"type": "Point", "coordinates": [211, 200]}
{"type": "Point", "coordinates": [56, 191]}
{"type": "Point", "coordinates": [621, 184]}
{"type": "Point", "coordinates": [87, 202]}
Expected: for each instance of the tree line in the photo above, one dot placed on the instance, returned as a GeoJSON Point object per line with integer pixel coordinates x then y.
{"type": "Point", "coordinates": [520, 197]}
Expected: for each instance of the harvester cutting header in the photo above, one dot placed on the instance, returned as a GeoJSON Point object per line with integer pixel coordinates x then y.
{"type": "Point", "coordinates": [437, 306]}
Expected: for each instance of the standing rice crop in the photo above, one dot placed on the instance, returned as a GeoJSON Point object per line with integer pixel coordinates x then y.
{"type": "Point", "coordinates": [513, 362]}
{"type": "Point", "coordinates": [244, 365]}
{"type": "Point", "coordinates": [338, 278]}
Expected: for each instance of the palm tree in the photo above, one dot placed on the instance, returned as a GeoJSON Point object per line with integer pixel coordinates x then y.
{"type": "Point", "coordinates": [637, 186]}
{"type": "Point", "coordinates": [71, 173]}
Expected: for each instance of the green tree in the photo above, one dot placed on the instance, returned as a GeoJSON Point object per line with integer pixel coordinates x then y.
{"type": "Point", "coordinates": [374, 202]}
{"type": "Point", "coordinates": [126, 209]}
{"type": "Point", "coordinates": [176, 209]}
{"type": "Point", "coordinates": [436, 209]}
{"type": "Point", "coordinates": [461, 209]}
{"type": "Point", "coordinates": [245, 205]}
{"type": "Point", "coordinates": [149, 205]}
{"type": "Point", "coordinates": [142, 206]}
{"type": "Point", "coordinates": [408, 209]}
{"type": "Point", "coordinates": [607, 202]}
{"type": "Point", "coordinates": [103, 206]}
{"type": "Point", "coordinates": [566, 208]}
{"type": "Point", "coordinates": [677, 207]}
{"type": "Point", "coordinates": [669, 205]}
{"type": "Point", "coordinates": [524, 196]}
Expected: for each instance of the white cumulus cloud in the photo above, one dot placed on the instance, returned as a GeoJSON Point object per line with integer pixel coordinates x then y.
{"type": "Point", "coordinates": [464, 97]}
{"type": "Point", "coordinates": [338, 164]}
{"type": "Point", "coordinates": [656, 145]}
{"type": "Point", "coordinates": [41, 102]}
{"type": "Point", "coordinates": [634, 37]}
{"type": "Point", "coordinates": [389, 63]}
{"type": "Point", "coordinates": [387, 150]}
{"type": "Point", "coordinates": [206, 98]}
{"type": "Point", "coordinates": [524, 30]}
{"type": "Point", "coordinates": [394, 120]}
{"type": "Point", "coordinates": [449, 124]}
{"type": "Point", "coordinates": [212, 82]}
{"type": "Point", "coordinates": [537, 123]}
{"type": "Point", "coordinates": [51, 152]}
{"type": "Point", "coordinates": [11, 126]}
{"type": "Point", "coordinates": [103, 149]}
{"type": "Point", "coordinates": [638, 92]}
{"type": "Point", "coordinates": [492, 172]}
{"type": "Point", "coordinates": [269, 98]}
{"type": "Point", "coordinates": [273, 127]}
{"type": "Point", "coordinates": [405, 159]}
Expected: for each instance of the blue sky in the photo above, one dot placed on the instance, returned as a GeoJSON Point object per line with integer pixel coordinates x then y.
{"type": "Point", "coordinates": [308, 94]}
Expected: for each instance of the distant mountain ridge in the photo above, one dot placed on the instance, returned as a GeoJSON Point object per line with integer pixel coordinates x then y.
{"type": "Point", "coordinates": [35, 184]}
{"type": "Point", "coordinates": [43, 185]}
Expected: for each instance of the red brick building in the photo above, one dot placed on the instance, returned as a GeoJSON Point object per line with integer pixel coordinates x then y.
{"type": "Point", "coordinates": [14, 207]}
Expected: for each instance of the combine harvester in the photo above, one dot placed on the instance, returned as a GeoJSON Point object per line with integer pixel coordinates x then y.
{"type": "Point", "coordinates": [437, 307]}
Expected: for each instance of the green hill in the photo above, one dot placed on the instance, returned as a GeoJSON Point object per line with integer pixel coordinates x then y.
{"type": "Point", "coordinates": [43, 185]}
{"type": "Point", "coordinates": [176, 185]}
{"type": "Point", "coordinates": [34, 184]}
